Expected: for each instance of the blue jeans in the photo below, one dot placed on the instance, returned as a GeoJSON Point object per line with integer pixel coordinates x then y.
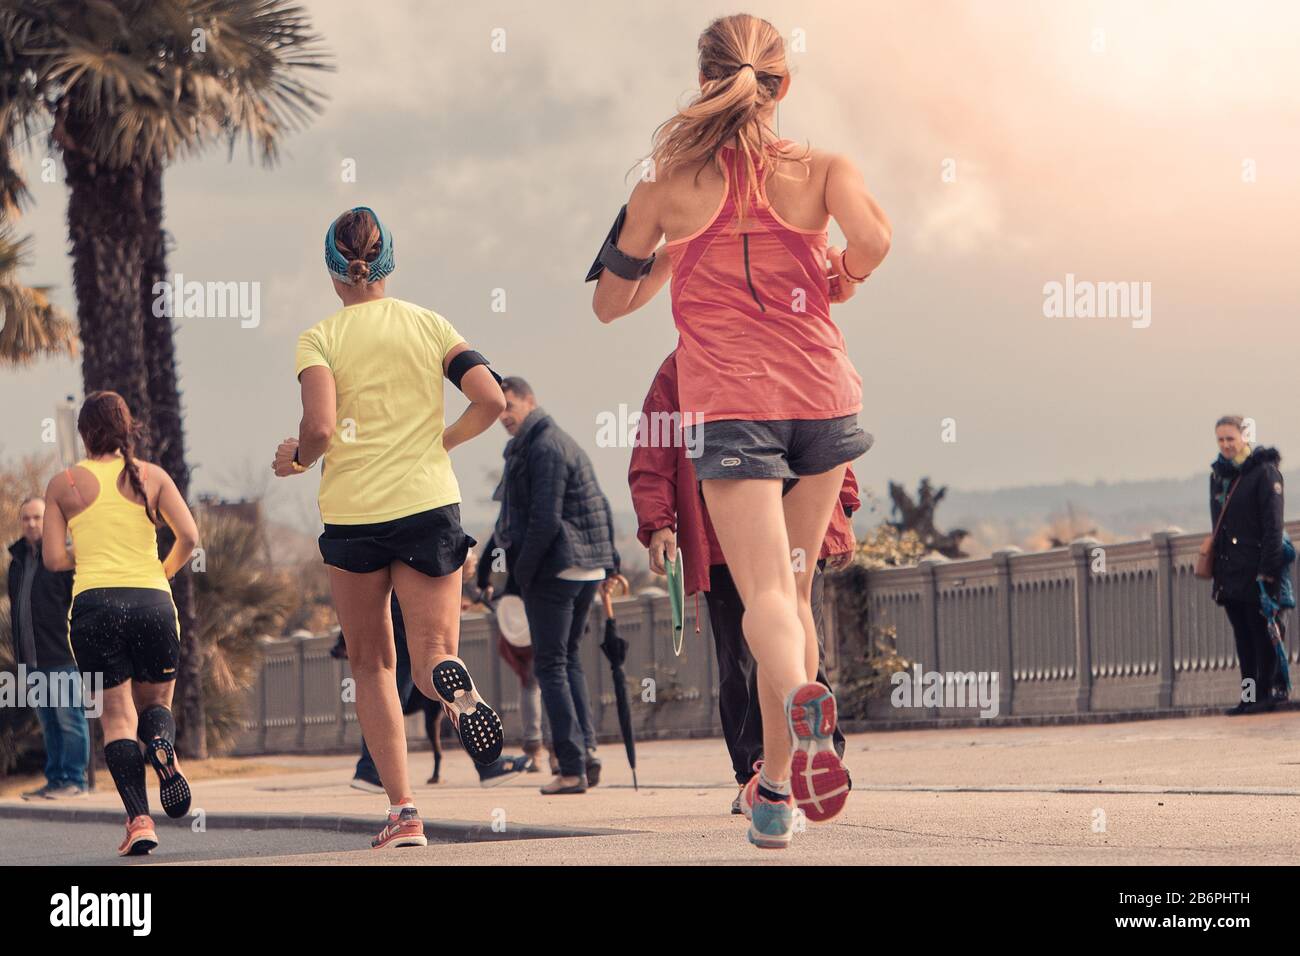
{"type": "Point", "coordinates": [557, 613]}
{"type": "Point", "coordinates": [67, 737]}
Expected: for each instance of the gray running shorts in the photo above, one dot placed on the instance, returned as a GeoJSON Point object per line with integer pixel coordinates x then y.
{"type": "Point", "coordinates": [789, 449]}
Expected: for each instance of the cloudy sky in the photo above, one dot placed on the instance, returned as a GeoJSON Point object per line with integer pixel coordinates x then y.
{"type": "Point", "coordinates": [1011, 143]}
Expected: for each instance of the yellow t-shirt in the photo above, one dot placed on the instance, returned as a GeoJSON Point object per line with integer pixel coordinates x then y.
{"type": "Point", "coordinates": [386, 458]}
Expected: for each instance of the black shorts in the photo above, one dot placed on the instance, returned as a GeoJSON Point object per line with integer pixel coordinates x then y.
{"type": "Point", "coordinates": [125, 634]}
{"type": "Point", "coordinates": [432, 542]}
{"type": "Point", "coordinates": [788, 449]}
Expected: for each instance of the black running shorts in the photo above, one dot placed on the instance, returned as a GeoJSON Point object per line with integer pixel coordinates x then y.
{"type": "Point", "coordinates": [789, 449]}
{"type": "Point", "coordinates": [432, 542]}
{"type": "Point", "coordinates": [125, 634]}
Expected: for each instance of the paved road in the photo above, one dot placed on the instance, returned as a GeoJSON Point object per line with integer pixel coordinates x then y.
{"type": "Point", "coordinates": [47, 843]}
{"type": "Point", "coordinates": [1211, 790]}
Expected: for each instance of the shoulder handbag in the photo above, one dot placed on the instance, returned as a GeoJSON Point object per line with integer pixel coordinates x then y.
{"type": "Point", "coordinates": [1205, 557]}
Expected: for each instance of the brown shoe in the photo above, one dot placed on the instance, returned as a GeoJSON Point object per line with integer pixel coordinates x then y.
{"type": "Point", "coordinates": [565, 785]}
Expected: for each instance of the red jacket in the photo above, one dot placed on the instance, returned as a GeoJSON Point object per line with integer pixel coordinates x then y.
{"type": "Point", "coordinates": [665, 493]}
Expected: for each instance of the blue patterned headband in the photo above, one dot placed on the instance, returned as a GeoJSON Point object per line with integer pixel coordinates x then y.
{"type": "Point", "coordinates": [380, 268]}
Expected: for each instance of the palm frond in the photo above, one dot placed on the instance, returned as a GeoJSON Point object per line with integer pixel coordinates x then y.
{"type": "Point", "coordinates": [262, 50]}
{"type": "Point", "coordinates": [30, 326]}
{"type": "Point", "coordinates": [14, 194]}
{"type": "Point", "coordinates": [118, 68]}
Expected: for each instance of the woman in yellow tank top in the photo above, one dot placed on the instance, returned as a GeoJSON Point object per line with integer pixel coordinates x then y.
{"type": "Point", "coordinates": [122, 624]}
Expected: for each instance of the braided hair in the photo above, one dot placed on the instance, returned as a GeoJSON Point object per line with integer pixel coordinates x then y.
{"type": "Point", "coordinates": [106, 426]}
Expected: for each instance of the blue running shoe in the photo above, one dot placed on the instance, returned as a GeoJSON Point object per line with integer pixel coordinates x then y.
{"type": "Point", "coordinates": [771, 823]}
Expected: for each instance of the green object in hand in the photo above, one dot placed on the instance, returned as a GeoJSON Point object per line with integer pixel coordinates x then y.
{"type": "Point", "coordinates": [677, 599]}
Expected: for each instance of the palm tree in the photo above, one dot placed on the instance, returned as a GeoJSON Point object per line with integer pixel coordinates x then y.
{"type": "Point", "coordinates": [30, 327]}
{"type": "Point", "coordinates": [127, 87]}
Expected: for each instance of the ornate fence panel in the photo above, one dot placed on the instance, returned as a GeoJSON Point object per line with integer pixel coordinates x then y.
{"type": "Point", "coordinates": [1088, 627]}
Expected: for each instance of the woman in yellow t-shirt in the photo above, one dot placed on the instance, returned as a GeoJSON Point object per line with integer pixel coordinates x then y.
{"type": "Point", "coordinates": [122, 625]}
{"type": "Point", "coordinates": [372, 378]}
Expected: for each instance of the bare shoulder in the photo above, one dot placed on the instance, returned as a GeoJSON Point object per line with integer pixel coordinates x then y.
{"type": "Point", "coordinates": [803, 162]}
{"type": "Point", "coordinates": [684, 196]}
{"type": "Point", "coordinates": [686, 179]}
{"type": "Point", "coordinates": [645, 194]}
{"type": "Point", "coordinates": [822, 161]}
{"type": "Point", "coordinates": [57, 486]}
{"type": "Point", "coordinates": [152, 474]}
{"type": "Point", "coordinates": [59, 491]}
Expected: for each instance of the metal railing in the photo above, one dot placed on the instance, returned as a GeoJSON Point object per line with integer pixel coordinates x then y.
{"type": "Point", "coordinates": [298, 701]}
{"type": "Point", "coordinates": [1085, 628]}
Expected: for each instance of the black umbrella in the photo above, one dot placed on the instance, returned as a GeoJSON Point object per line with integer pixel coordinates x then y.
{"type": "Point", "coordinates": [615, 648]}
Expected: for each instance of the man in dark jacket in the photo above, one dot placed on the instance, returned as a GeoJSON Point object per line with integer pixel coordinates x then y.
{"type": "Point", "coordinates": [1247, 550]}
{"type": "Point", "coordinates": [558, 535]}
{"type": "Point", "coordinates": [38, 608]}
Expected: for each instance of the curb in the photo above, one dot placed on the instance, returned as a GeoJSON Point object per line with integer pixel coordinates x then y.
{"type": "Point", "coordinates": [445, 831]}
{"type": "Point", "coordinates": [1042, 720]}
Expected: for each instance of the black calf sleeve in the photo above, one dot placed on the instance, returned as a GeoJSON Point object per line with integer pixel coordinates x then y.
{"type": "Point", "coordinates": [126, 764]}
{"type": "Point", "coordinates": [156, 721]}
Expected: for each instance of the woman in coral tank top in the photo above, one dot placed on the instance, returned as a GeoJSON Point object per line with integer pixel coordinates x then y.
{"type": "Point", "coordinates": [767, 390]}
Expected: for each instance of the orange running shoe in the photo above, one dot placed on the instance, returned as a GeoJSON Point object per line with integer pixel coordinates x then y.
{"type": "Point", "coordinates": [140, 837]}
{"type": "Point", "coordinates": [402, 829]}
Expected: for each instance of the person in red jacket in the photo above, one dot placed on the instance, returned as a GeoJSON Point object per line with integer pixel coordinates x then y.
{"type": "Point", "coordinates": [671, 515]}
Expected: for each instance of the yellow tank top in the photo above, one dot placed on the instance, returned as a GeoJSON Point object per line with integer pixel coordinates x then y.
{"type": "Point", "coordinates": [114, 545]}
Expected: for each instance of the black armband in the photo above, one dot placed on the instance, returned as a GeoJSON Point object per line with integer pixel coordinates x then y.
{"type": "Point", "coordinates": [617, 261]}
{"type": "Point", "coordinates": [465, 361]}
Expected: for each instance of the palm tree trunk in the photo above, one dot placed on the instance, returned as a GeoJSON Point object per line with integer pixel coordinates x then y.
{"type": "Point", "coordinates": [167, 432]}
{"type": "Point", "coordinates": [103, 227]}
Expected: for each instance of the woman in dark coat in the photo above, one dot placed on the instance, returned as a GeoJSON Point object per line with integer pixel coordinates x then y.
{"type": "Point", "coordinates": [1247, 549]}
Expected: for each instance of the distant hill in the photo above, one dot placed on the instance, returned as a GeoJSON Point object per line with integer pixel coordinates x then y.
{"type": "Point", "coordinates": [1119, 511]}
{"type": "Point", "coordinates": [1022, 516]}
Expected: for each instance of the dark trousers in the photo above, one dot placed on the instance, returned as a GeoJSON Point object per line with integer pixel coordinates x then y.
{"type": "Point", "coordinates": [1255, 652]}
{"type": "Point", "coordinates": [742, 723]}
{"type": "Point", "coordinates": [557, 612]}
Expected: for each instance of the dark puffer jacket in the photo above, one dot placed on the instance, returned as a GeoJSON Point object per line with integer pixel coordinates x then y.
{"type": "Point", "coordinates": [51, 598]}
{"type": "Point", "coordinates": [558, 516]}
{"type": "Point", "coordinates": [1249, 542]}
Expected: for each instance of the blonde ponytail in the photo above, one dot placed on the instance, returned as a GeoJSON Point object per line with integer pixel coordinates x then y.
{"type": "Point", "coordinates": [742, 62]}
